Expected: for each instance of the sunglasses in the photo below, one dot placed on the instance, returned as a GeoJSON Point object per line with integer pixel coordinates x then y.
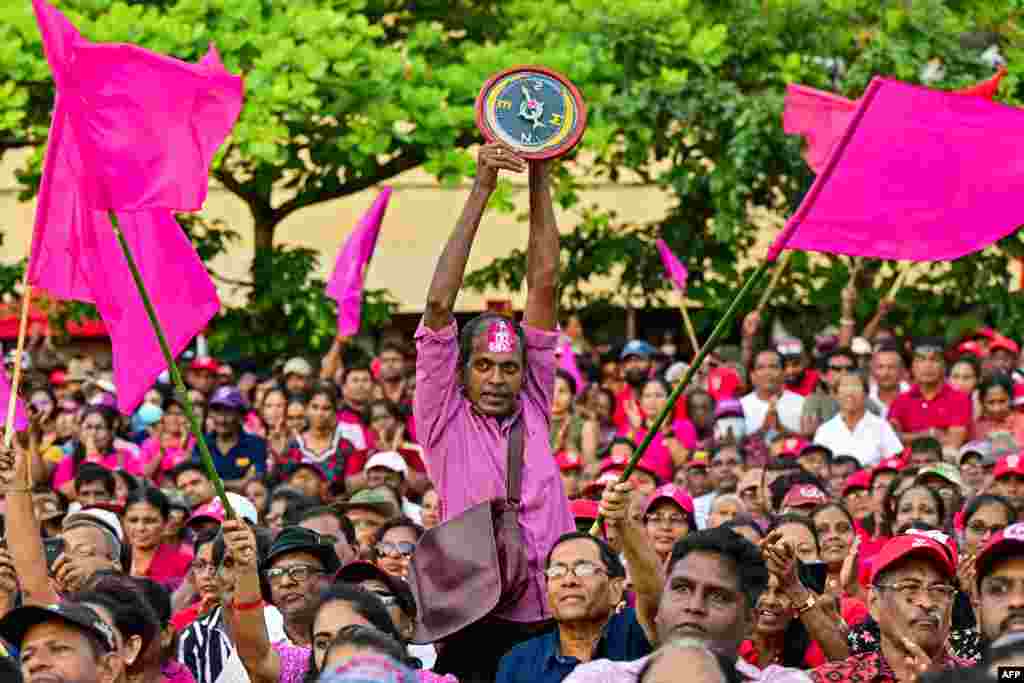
{"type": "Point", "coordinates": [400, 549]}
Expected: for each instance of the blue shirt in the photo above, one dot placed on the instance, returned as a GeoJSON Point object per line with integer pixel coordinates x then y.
{"type": "Point", "coordinates": [539, 660]}
{"type": "Point", "coordinates": [250, 451]}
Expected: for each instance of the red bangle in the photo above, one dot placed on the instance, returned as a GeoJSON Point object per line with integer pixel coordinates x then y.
{"type": "Point", "coordinates": [246, 606]}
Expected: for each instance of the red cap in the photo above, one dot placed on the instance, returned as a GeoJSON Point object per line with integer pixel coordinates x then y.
{"type": "Point", "coordinates": [723, 382]}
{"type": "Point", "coordinates": [1018, 394]}
{"type": "Point", "coordinates": [1009, 464]}
{"type": "Point", "coordinates": [792, 446]}
{"type": "Point", "coordinates": [1004, 343]}
{"type": "Point", "coordinates": [1008, 541]}
{"type": "Point", "coordinates": [213, 510]}
{"type": "Point", "coordinates": [889, 465]}
{"type": "Point", "coordinates": [972, 348]}
{"type": "Point", "coordinates": [598, 485]}
{"type": "Point", "coordinates": [207, 363]}
{"type": "Point", "coordinates": [567, 460]}
{"type": "Point", "coordinates": [804, 494]}
{"type": "Point", "coordinates": [58, 377]}
{"type": "Point", "coordinates": [670, 492]}
{"type": "Point", "coordinates": [933, 545]}
{"type": "Point", "coordinates": [619, 461]}
{"type": "Point", "coordinates": [584, 509]}
{"type": "Point", "coordinates": [699, 459]}
{"type": "Point", "coordinates": [860, 479]}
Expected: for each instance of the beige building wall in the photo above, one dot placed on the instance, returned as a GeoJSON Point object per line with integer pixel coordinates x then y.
{"type": "Point", "coordinates": [420, 216]}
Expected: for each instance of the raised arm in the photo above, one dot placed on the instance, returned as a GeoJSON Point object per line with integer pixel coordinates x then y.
{"type": "Point", "coordinates": [542, 254]}
{"type": "Point", "coordinates": [451, 267]}
{"type": "Point", "coordinates": [249, 626]}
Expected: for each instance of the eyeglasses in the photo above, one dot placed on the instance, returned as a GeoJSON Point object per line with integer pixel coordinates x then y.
{"type": "Point", "coordinates": [665, 520]}
{"type": "Point", "coordinates": [938, 593]}
{"type": "Point", "coordinates": [402, 549]}
{"type": "Point", "coordinates": [581, 570]}
{"type": "Point", "coordinates": [296, 572]}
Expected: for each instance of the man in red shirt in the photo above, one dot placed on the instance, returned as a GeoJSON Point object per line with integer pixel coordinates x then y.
{"type": "Point", "coordinates": [356, 392]}
{"type": "Point", "coordinates": [636, 369]}
{"type": "Point", "coordinates": [799, 377]}
{"type": "Point", "coordinates": [931, 407]}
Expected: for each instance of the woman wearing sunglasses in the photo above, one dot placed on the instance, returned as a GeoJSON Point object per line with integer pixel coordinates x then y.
{"type": "Point", "coordinates": [396, 542]}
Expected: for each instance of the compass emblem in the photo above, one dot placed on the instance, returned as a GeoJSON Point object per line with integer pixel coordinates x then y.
{"type": "Point", "coordinates": [536, 111]}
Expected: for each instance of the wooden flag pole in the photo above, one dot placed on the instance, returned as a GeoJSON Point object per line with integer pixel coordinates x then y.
{"type": "Point", "coordinates": [709, 346]}
{"type": "Point", "coordinates": [172, 367]}
{"type": "Point", "coordinates": [26, 289]}
{"type": "Point", "coordinates": [690, 331]}
{"type": "Point", "coordinates": [898, 283]}
{"type": "Point", "coordinates": [776, 276]}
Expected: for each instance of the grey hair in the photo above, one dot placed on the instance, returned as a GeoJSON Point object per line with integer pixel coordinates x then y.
{"type": "Point", "coordinates": [688, 643]}
{"type": "Point", "coordinates": [112, 541]}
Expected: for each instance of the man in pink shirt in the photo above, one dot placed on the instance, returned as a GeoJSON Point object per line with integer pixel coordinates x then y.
{"type": "Point", "coordinates": [470, 390]}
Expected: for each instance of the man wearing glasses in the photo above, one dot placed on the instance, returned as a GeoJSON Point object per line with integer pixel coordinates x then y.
{"type": "Point", "coordinates": [911, 598]}
{"type": "Point", "coordinates": [299, 565]}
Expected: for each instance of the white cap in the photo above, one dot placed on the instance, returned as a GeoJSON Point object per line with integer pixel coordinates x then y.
{"type": "Point", "coordinates": [95, 516]}
{"type": "Point", "coordinates": [860, 346]}
{"type": "Point", "coordinates": [389, 459]}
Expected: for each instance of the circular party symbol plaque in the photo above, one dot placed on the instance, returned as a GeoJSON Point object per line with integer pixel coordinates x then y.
{"type": "Point", "coordinates": [537, 111]}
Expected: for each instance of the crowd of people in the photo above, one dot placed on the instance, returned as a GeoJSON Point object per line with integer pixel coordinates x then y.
{"type": "Point", "coordinates": [836, 510]}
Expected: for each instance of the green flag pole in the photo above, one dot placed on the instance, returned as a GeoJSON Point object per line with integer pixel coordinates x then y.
{"type": "Point", "coordinates": [172, 367]}
{"type": "Point", "coordinates": [709, 345]}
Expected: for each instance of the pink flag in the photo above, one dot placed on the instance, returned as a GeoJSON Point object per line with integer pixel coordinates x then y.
{"type": "Point", "coordinates": [821, 117]}
{"type": "Point", "coordinates": [567, 362]}
{"type": "Point", "coordinates": [346, 283]}
{"type": "Point", "coordinates": [20, 417]}
{"type": "Point", "coordinates": [133, 132]}
{"type": "Point", "coordinates": [676, 270]}
{"type": "Point", "coordinates": [918, 175]}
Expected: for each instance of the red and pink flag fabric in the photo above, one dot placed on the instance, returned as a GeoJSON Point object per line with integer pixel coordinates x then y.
{"type": "Point", "coordinates": [133, 132]}
{"type": "Point", "coordinates": [349, 276]}
{"type": "Point", "coordinates": [673, 266]}
{"type": "Point", "coordinates": [918, 175]}
{"type": "Point", "coordinates": [20, 416]}
{"type": "Point", "coordinates": [821, 117]}
{"type": "Point", "coordinates": [567, 362]}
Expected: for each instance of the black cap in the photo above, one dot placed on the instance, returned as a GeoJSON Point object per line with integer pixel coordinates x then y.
{"type": "Point", "coordinates": [357, 572]}
{"type": "Point", "coordinates": [16, 624]}
{"type": "Point", "coordinates": [296, 539]}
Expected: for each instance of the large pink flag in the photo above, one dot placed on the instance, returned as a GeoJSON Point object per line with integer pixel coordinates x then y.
{"type": "Point", "coordinates": [821, 117]}
{"type": "Point", "coordinates": [918, 175]}
{"type": "Point", "coordinates": [675, 268]}
{"type": "Point", "coordinates": [346, 283]}
{"type": "Point", "coordinates": [20, 417]}
{"type": "Point", "coordinates": [132, 132]}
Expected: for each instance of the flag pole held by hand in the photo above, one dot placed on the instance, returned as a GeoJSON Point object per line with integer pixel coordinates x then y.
{"type": "Point", "coordinates": [172, 368]}
{"type": "Point", "coordinates": [19, 354]}
{"type": "Point", "coordinates": [776, 276]}
{"type": "Point", "coordinates": [708, 347]}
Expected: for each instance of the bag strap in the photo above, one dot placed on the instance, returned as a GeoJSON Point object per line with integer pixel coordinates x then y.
{"type": "Point", "coordinates": [514, 484]}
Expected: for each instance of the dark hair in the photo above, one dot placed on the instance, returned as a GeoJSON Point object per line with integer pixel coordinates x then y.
{"type": "Point", "coordinates": [611, 561]}
{"type": "Point", "coordinates": [205, 537]}
{"type": "Point", "coordinates": [984, 500]}
{"type": "Point", "coordinates": [158, 597]}
{"type": "Point", "coordinates": [971, 360]}
{"type": "Point", "coordinates": [364, 603]}
{"type": "Point", "coordinates": [471, 329]}
{"type": "Point", "coordinates": [347, 529]}
{"type": "Point", "coordinates": [940, 506]}
{"type": "Point", "coordinates": [323, 389]}
{"type": "Point", "coordinates": [89, 472]}
{"type": "Point", "coordinates": [399, 523]}
{"type": "Point", "coordinates": [751, 570]}
{"type": "Point", "coordinates": [891, 346]}
{"type": "Point", "coordinates": [744, 521]}
{"type": "Point", "coordinates": [151, 495]}
{"type": "Point", "coordinates": [130, 481]}
{"type": "Point", "coordinates": [188, 466]}
{"type": "Point", "coordinates": [800, 520]}
{"type": "Point", "coordinates": [368, 638]}
{"type": "Point", "coordinates": [845, 459]}
{"type": "Point", "coordinates": [358, 366]}
{"type": "Point", "coordinates": [561, 374]}
{"type": "Point", "coordinates": [389, 406]}
{"type": "Point", "coordinates": [845, 353]}
{"type": "Point", "coordinates": [832, 505]}
{"type": "Point", "coordinates": [996, 379]}
{"type": "Point", "coordinates": [132, 615]}
{"type": "Point", "coordinates": [860, 375]}
{"type": "Point", "coordinates": [297, 506]}
{"type": "Point", "coordinates": [393, 345]}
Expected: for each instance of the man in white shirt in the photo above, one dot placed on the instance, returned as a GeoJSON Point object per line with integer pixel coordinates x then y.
{"type": "Point", "coordinates": [770, 408]}
{"type": "Point", "coordinates": [854, 430]}
{"type": "Point", "coordinates": [725, 469]}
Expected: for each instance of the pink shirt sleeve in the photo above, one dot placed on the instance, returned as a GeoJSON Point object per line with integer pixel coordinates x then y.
{"type": "Point", "coordinates": [541, 363]}
{"type": "Point", "coordinates": [686, 433]}
{"type": "Point", "coordinates": [63, 474]}
{"type": "Point", "coordinates": [437, 383]}
{"type": "Point", "coordinates": [294, 662]}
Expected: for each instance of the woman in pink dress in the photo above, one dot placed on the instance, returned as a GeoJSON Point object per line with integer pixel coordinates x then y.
{"type": "Point", "coordinates": [671, 447]}
{"type": "Point", "coordinates": [95, 444]}
{"type": "Point", "coordinates": [146, 513]}
{"type": "Point", "coordinates": [170, 444]}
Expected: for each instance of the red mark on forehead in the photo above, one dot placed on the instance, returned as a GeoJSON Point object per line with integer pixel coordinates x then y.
{"type": "Point", "coordinates": [501, 337]}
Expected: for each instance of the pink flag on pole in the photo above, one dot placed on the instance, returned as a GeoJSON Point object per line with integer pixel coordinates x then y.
{"type": "Point", "coordinates": [567, 362]}
{"type": "Point", "coordinates": [918, 175]}
{"type": "Point", "coordinates": [346, 283]}
{"type": "Point", "coordinates": [675, 268]}
{"type": "Point", "coordinates": [132, 132]}
{"type": "Point", "coordinates": [821, 117]}
{"type": "Point", "coordinates": [20, 416]}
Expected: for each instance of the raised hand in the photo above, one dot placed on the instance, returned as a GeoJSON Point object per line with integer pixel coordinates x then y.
{"type": "Point", "coordinates": [751, 324]}
{"type": "Point", "coordinates": [493, 157]}
{"type": "Point", "coordinates": [615, 501]}
{"type": "Point", "coordinates": [240, 542]}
